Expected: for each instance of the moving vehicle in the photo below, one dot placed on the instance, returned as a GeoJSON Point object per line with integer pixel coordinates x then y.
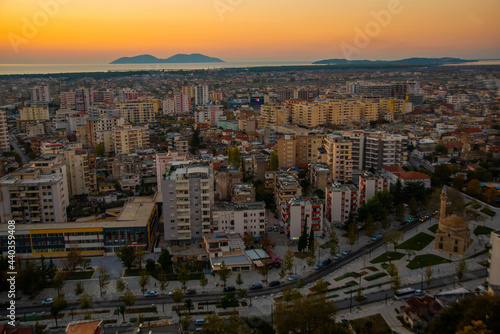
{"type": "Point", "coordinates": [256, 286]}
{"type": "Point", "coordinates": [48, 301]}
{"type": "Point", "coordinates": [293, 277]}
{"type": "Point", "coordinates": [419, 292]}
{"type": "Point", "coordinates": [274, 283]}
{"type": "Point", "coordinates": [229, 289]}
{"type": "Point", "coordinates": [404, 293]}
{"type": "Point", "coordinates": [346, 252]}
{"type": "Point", "coordinates": [151, 294]}
{"type": "Point", "coordinates": [318, 266]}
{"type": "Point", "coordinates": [191, 292]}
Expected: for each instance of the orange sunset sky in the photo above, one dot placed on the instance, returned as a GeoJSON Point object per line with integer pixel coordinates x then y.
{"type": "Point", "coordinates": [99, 31]}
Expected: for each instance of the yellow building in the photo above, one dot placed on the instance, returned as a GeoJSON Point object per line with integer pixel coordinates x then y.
{"type": "Point", "coordinates": [128, 137]}
{"type": "Point", "coordinates": [137, 112]}
{"type": "Point", "coordinates": [308, 114]}
{"type": "Point", "coordinates": [34, 113]}
{"type": "Point", "coordinates": [339, 157]}
{"type": "Point", "coordinates": [274, 113]}
{"type": "Point", "coordinates": [391, 108]}
{"type": "Point", "coordinates": [343, 111]}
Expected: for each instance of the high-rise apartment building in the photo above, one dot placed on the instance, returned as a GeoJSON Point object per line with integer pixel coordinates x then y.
{"type": "Point", "coordinates": [274, 113]}
{"type": "Point", "coordinates": [68, 100]}
{"type": "Point", "coordinates": [369, 185]}
{"type": "Point", "coordinates": [187, 201]}
{"type": "Point", "coordinates": [309, 114]}
{"type": "Point", "coordinates": [339, 157]}
{"type": "Point", "coordinates": [40, 95]}
{"type": "Point", "coordinates": [80, 180]}
{"type": "Point", "coordinates": [95, 125]}
{"type": "Point", "coordinates": [247, 218]}
{"type": "Point", "coordinates": [128, 137]}
{"type": "Point", "coordinates": [83, 99]}
{"type": "Point", "coordinates": [140, 112]}
{"type": "Point", "coordinates": [35, 113]}
{"type": "Point", "coordinates": [30, 195]}
{"type": "Point", "coordinates": [201, 95]}
{"type": "Point", "coordinates": [298, 211]}
{"type": "Point", "coordinates": [341, 200]}
{"type": "Point", "coordinates": [4, 132]}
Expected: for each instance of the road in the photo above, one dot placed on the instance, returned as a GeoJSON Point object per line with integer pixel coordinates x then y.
{"type": "Point", "coordinates": [16, 147]}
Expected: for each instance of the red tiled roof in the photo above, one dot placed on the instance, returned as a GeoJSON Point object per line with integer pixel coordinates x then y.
{"type": "Point", "coordinates": [413, 176]}
{"type": "Point", "coordinates": [393, 169]}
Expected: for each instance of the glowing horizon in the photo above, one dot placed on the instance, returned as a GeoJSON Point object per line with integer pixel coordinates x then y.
{"type": "Point", "coordinates": [93, 32]}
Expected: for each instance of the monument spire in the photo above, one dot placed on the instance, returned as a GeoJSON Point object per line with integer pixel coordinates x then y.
{"type": "Point", "coordinates": [444, 200]}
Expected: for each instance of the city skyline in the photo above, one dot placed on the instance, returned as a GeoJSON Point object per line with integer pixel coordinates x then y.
{"type": "Point", "coordinates": [92, 32]}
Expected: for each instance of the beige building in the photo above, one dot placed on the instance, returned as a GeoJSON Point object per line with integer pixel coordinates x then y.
{"type": "Point", "coordinates": [342, 112]}
{"type": "Point", "coordinates": [137, 112]}
{"type": "Point", "coordinates": [339, 157]}
{"type": "Point", "coordinates": [274, 113]}
{"type": "Point", "coordinates": [494, 269]}
{"type": "Point", "coordinates": [247, 218]}
{"type": "Point", "coordinates": [4, 132]}
{"type": "Point", "coordinates": [298, 211]}
{"type": "Point", "coordinates": [298, 150]}
{"type": "Point", "coordinates": [392, 108]}
{"type": "Point", "coordinates": [308, 114]}
{"type": "Point", "coordinates": [320, 175]}
{"type": "Point", "coordinates": [243, 193]}
{"type": "Point", "coordinates": [80, 182]}
{"type": "Point", "coordinates": [453, 233]}
{"type": "Point", "coordinates": [30, 195]}
{"type": "Point", "coordinates": [225, 179]}
{"type": "Point", "coordinates": [285, 187]}
{"type": "Point", "coordinates": [34, 113]}
{"type": "Point", "coordinates": [128, 137]}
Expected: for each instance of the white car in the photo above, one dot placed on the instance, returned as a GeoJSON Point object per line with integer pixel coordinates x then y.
{"type": "Point", "coordinates": [48, 301]}
{"type": "Point", "coordinates": [293, 277]}
{"type": "Point", "coordinates": [151, 294]}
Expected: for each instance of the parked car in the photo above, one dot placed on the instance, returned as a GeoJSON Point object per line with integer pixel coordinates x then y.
{"type": "Point", "coordinates": [171, 293]}
{"type": "Point", "coordinates": [269, 229]}
{"type": "Point", "coordinates": [48, 301]}
{"type": "Point", "coordinates": [293, 277]}
{"type": "Point", "coordinates": [190, 292]}
{"type": "Point", "coordinates": [318, 266]}
{"type": "Point", "coordinates": [374, 238]}
{"type": "Point", "coordinates": [274, 283]}
{"type": "Point", "coordinates": [419, 292]}
{"type": "Point", "coordinates": [380, 235]}
{"type": "Point", "coordinates": [256, 286]}
{"type": "Point", "coordinates": [327, 262]}
{"type": "Point", "coordinates": [276, 229]}
{"type": "Point", "coordinates": [336, 257]}
{"type": "Point", "coordinates": [151, 294]}
{"type": "Point", "coordinates": [266, 222]}
{"type": "Point", "coordinates": [346, 252]}
{"type": "Point", "coordinates": [229, 289]}
{"type": "Point", "coordinates": [276, 225]}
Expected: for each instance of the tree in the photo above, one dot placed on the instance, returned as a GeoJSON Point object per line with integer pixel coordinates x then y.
{"type": "Point", "coordinates": [58, 304]}
{"type": "Point", "coordinates": [398, 192]}
{"type": "Point", "coordinates": [183, 276]}
{"type": "Point", "coordinates": [229, 300]}
{"type": "Point", "coordinates": [165, 260]}
{"type": "Point", "coordinates": [140, 253]}
{"type": "Point", "coordinates": [413, 207]}
{"type": "Point", "coordinates": [274, 161]}
{"type": "Point", "coordinates": [392, 270]}
{"type": "Point", "coordinates": [120, 285]}
{"type": "Point", "coordinates": [428, 276]}
{"type": "Point", "coordinates": [224, 273]}
{"type": "Point", "coordinates": [150, 266]}
{"type": "Point", "coordinates": [440, 149]}
{"type": "Point", "coordinates": [100, 150]}
{"type": "Point", "coordinates": [267, 242]}
{"type": "Point", "coordinates": [129, 298]}
{"type": "Point", "coordinates": [458, 182]}
{"type": "Point", "coordinates": [460, 314]}
{"type": "Point", "coordinates": [441, 176]}
{"type": "Point", "coordinates": [476, 327]}
{"type": "Point", "coordinates": [162, 278]}
{"type": "Point", "coordinates": [195, 140]}
{"type": "Point", "coordinates": [400, 212]}
{"type": "Point", "coordinates": [461, 269]}
{"type": "Point", "coordinates": [86, 301]}
{"type": "Point", "coordinates": [214, 325]}
{"type": "Point", "coordinates": [239, 280]}
{"type": "Point", "coordinates": [312, 314]}
{"type": "Point", "coordinates": [311, 257]}
{"type": "Point", "coordinates": [203, 280]}
{"type": "Point", "coordinates": [312, 241]}
{"type": "Point", "coordinates": [393, 238]}
{"type": "Point", "coordinates": [321, 287]}
{"type": "Point", "coordinates": [143, 280]}
{"type": "Point", "coordinates": [457, 204]}
{"type": "Point", "coordinates": [359, 295]}
{"type": "Point", "coordinates": [103, 279]}
{"type": "Point", "coordinates": [235, 157]}
{"type": "Point", "coordinates": [491, 195]}
{"type": "Point", "coordinates": [333, 241]}
{"type": "Point", "coordinates": [302, 243]}
{"type": "Point", "coordinates": [352, 234]}
{"type": "Point", "coordinates": [177, 296]}
{"type": "Point", "coordinates": [59, 281]}
{"type": "Point", "coordinates": [474, 188]}
{"type": "Point", "coordinates": [74, 258]}
{"type": "Point", "coordinates": [370, 226]}
{"type": "Point", "coordinates": [386, 221]}
{"type": "Point", "coordinates": [79, 289]}
{"type": "Point", "coordinates": [121, 310]}
{"type": "Point", "coordinates": [264, 271]}
{"type": "Point", "coordinates": [28, 279]}
{"type": "Point", "coordinates": [188, 303]}
{"type": "Point", "coordinates": [127, 256]}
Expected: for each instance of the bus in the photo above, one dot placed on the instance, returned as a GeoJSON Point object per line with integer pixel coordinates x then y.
{"type": "Point", "coordinates": [404, 293]}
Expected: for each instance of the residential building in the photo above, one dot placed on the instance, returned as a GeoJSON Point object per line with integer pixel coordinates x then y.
{"type": "Point", "coordinates": [320, 175]}
{"type": "Point", "coordinates": [68, 100]}
{"type": "Point", "coordinates": [138, 112]}
{"type": "Point", "coordinates": [128, 137]}
{"type": "Point", "coordinates": [188, 196]}
{"type": "Point", "coordinates": [494, 268]}
{"type": "Point", "coordinates": [247, 218]}
{"type": "Point", "coordinates": [83, 99]}
{"type": "Point", "coordinates": [274, 113]}
{"type": "Point", "coordinates": [225, 179]}
{"type": "Point", "coordinates": [40, 95]}
{"type": "Point", "coordinates": [228, 248]}
{"type": "Point", "coordinates": [297, 211]}
{"type": "Point", "coordinates": [369, 185]}
{"type": "Point", "coordinates": [285, 187]}
{"type": "Point", "coordinates": [339, 157]}
{"type": "Point", "coordinates": [393, 173]}
{"type": "Point", "coordinates": [307, 94]}
{"type": "Point", "coordinates": [164, 162]}
{"type": "Point", "coordinates": [243, 193]}
{"type": "Point", "coordinates": [201, 95]}
{"type": "Point", "coordinates": [34, 112]}
{"type": "Point", "coordinates": [80, 181]}
{"type": "Point", "coordinates": [30, 195]}
{"type": "Point", "coordinates": [298, 150]}
{"type": "Point", "coordinates": [95, 125]}
{"type": "Point", "coordinates": [341, 200]}
{"type": "Point", "coordinates": [85, 327]}
{"type": "Point", "coordinates": [4, 132]}
{"type": "Point", "coordinates": [308, 114]}
{"type": "Point", "coordinates": [260, 164]}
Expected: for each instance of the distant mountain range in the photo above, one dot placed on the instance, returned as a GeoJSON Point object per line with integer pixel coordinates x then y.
{"type": "Point", "coordinates": [175, 59]}
{"type": "Point", "coordinates": [416, 61]}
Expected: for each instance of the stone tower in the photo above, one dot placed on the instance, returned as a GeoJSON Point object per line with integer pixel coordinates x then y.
{"type": "Point", "coordinates": [444, 200]}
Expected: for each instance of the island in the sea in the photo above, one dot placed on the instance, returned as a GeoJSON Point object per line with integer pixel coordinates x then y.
{"type": "Point", "coordinates": [175, 59]}
{"type": "Point", "coordinates": [415, 61]}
